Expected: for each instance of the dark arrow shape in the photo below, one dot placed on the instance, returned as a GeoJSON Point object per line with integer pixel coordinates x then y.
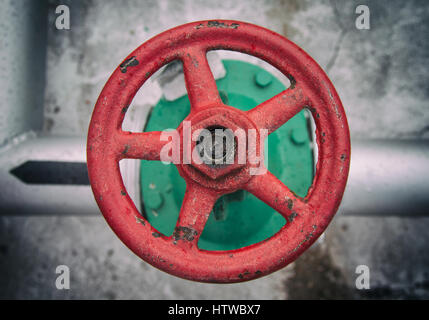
{"type": "Point", "coordinates": [52, 172]}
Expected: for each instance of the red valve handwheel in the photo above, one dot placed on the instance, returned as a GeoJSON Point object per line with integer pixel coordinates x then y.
{"type": "Point", "coordinates": [306, 217]}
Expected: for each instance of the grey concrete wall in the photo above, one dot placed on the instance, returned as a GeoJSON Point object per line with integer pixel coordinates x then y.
{"type": "Point", "coordinates": [23, 33]}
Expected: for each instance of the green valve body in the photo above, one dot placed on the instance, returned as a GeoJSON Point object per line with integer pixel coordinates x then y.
{"type": "Point", "coordinates": [238, 219]}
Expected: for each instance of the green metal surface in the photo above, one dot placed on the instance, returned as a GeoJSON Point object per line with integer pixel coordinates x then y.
{"type": "Point", "coordinates": [238, 219]}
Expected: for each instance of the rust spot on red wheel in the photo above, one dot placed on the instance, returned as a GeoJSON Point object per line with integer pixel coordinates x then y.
{"type": "Point", "coordinates": [307, 217]}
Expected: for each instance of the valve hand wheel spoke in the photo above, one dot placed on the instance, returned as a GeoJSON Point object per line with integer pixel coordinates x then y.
{"type": "Point", "coordinates": [200, 83]}
{"type": "Point", "coordinates": [196, 207]}
{"type": "Point", "coordinates": [139, 145]}
{"type": "Point", "coordinates": [273, 192]}
{"type": "Point", "coordinates": [276, 111]}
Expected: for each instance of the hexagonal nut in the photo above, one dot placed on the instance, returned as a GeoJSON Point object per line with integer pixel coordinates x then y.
{"type": "Point", "coordinates": [215, 171]}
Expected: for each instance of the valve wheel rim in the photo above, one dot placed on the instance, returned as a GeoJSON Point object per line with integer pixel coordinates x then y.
{"type": "Point", "coordinates": [306, 217]}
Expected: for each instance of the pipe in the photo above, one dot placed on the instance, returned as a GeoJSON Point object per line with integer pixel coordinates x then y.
{"type": "Point", "coordinates": [387, 178]}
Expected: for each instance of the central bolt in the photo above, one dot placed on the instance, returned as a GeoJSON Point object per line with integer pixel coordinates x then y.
{"type": "Point", "coordinates": [216, 146]}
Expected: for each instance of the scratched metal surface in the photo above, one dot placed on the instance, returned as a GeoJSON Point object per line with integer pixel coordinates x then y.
{"type": "Point", "coordinates": [380, 76]}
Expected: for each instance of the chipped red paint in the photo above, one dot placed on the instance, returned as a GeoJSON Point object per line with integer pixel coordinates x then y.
{"type": "Point", "coordinates": [307, 217]}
